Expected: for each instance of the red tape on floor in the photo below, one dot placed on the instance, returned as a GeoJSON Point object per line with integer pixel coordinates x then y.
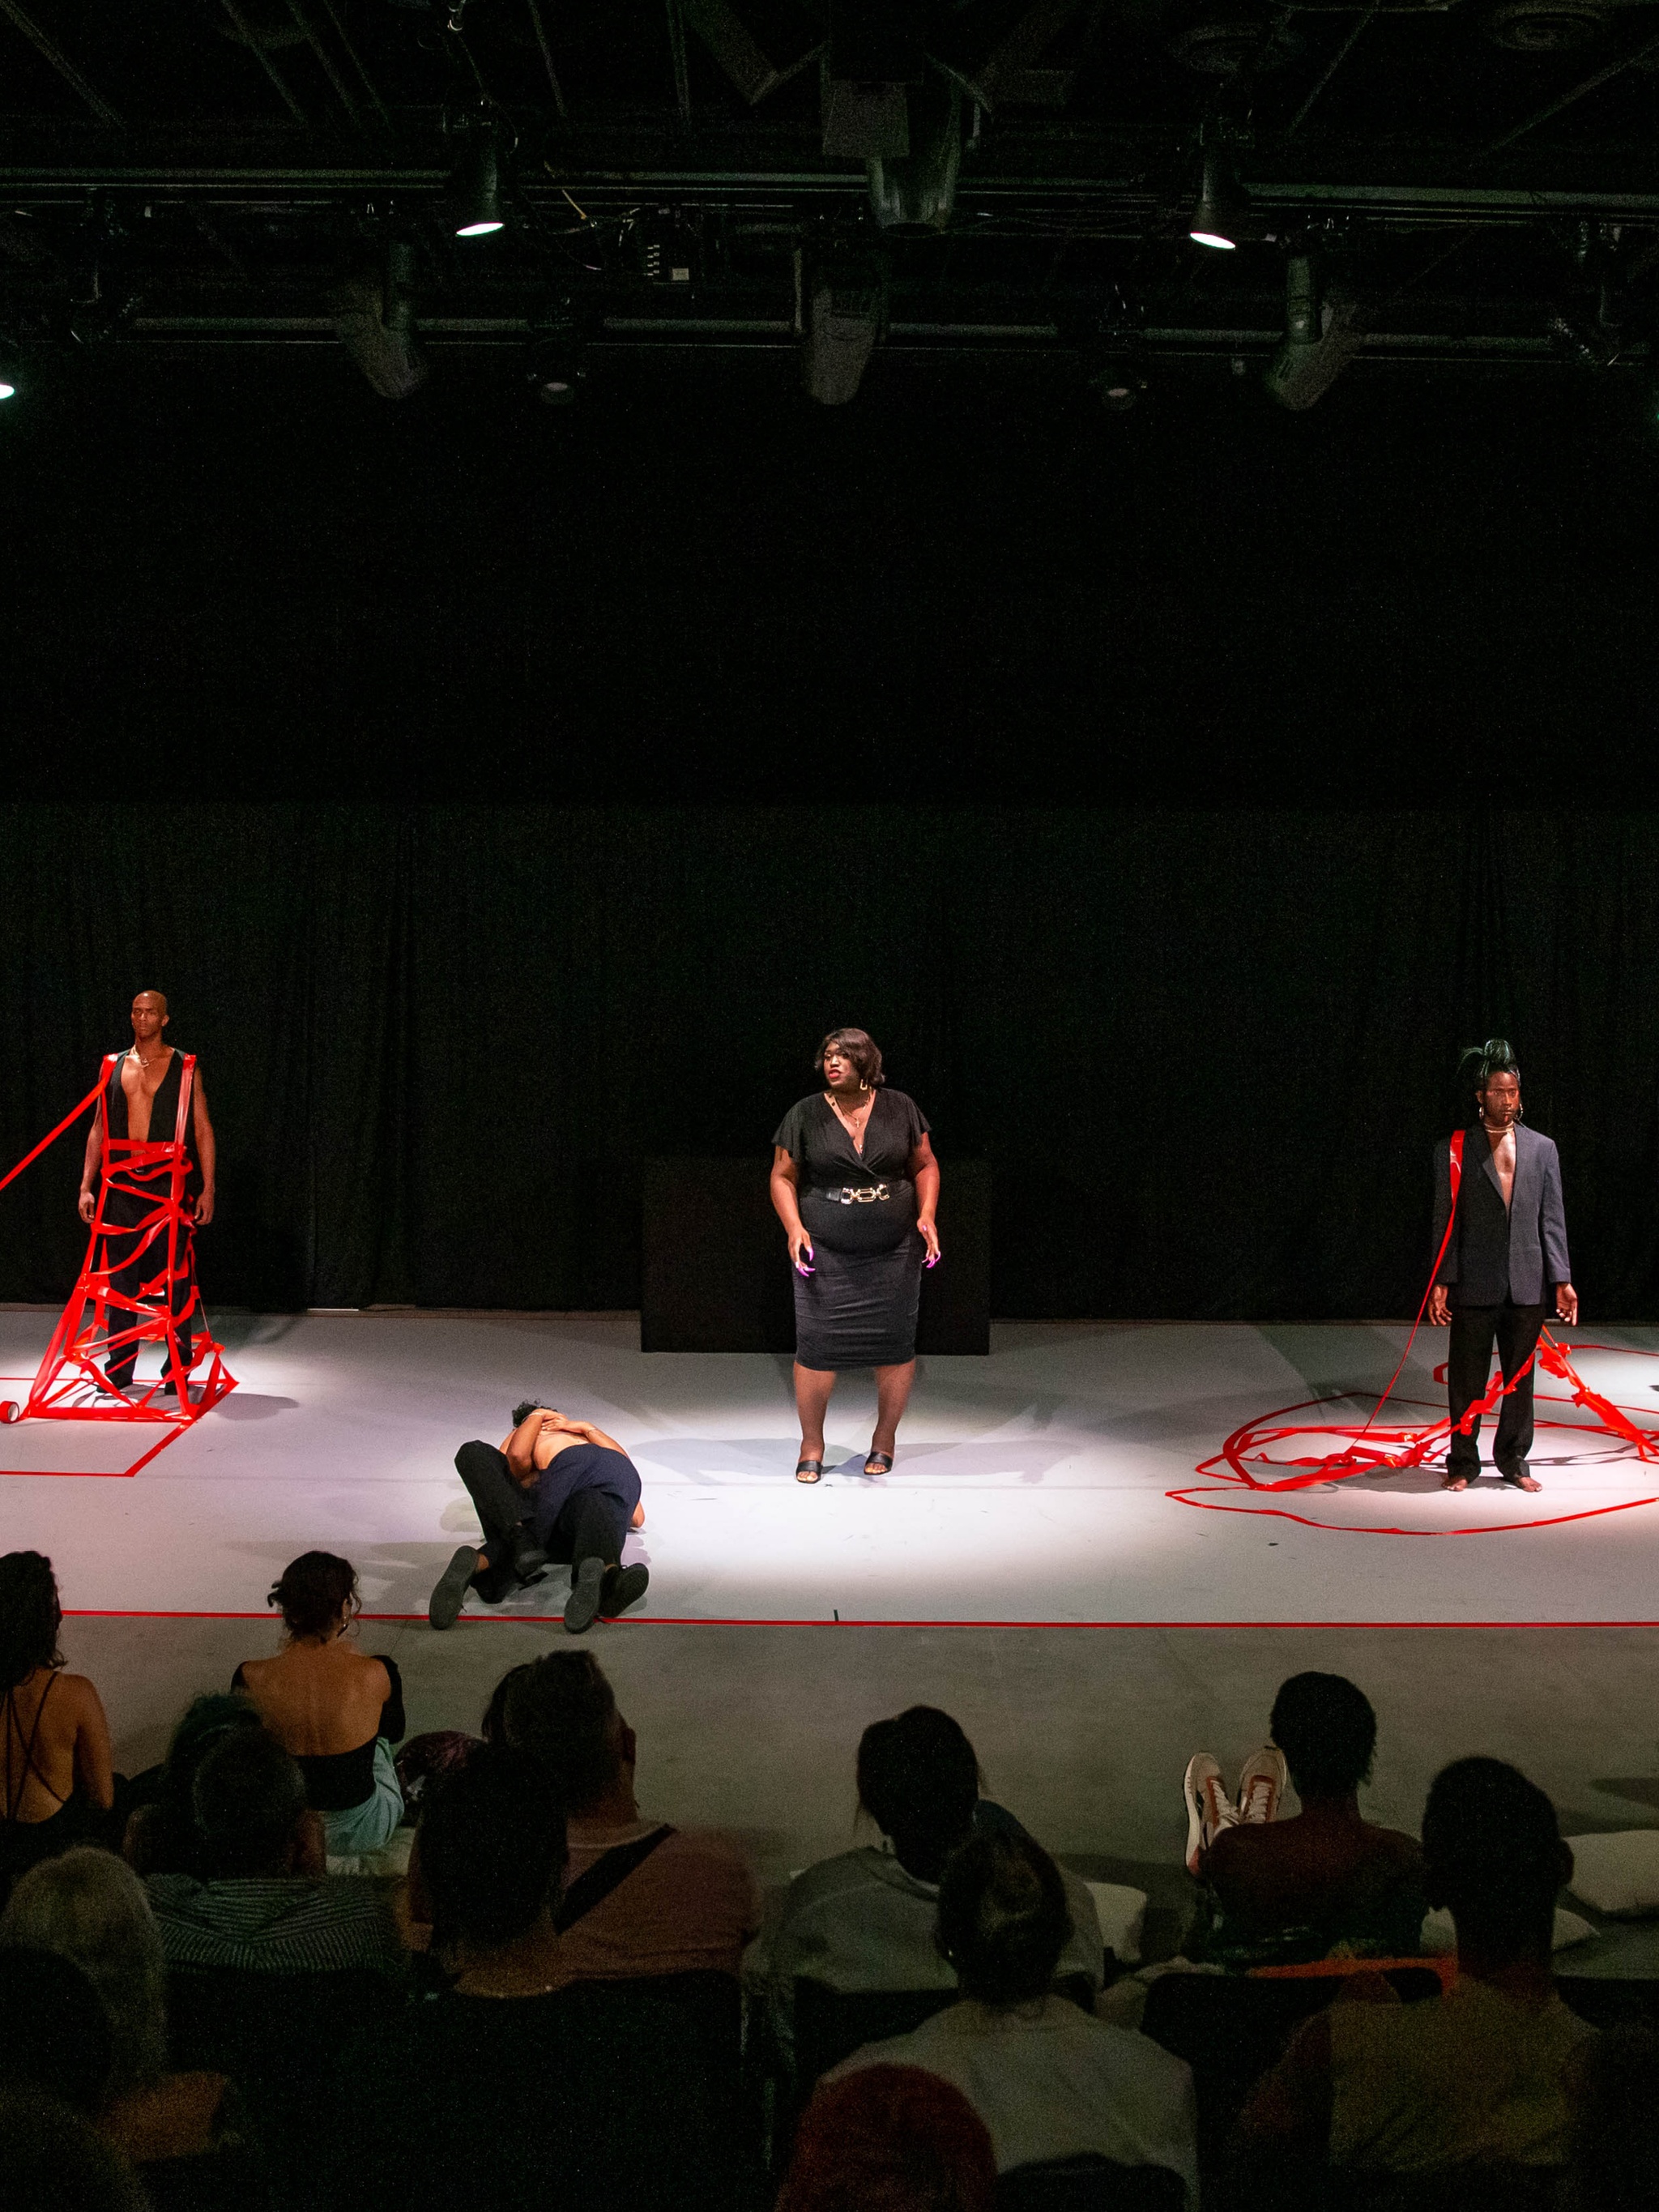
{"type": "Point", "coordinates": [1371, 1450]}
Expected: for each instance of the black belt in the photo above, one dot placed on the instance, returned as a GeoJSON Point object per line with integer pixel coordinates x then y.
{"type": "Point", "coordinates": [867, 1195]}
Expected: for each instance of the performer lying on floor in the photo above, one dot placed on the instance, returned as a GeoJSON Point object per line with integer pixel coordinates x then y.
{"type": "Point", "coordinates": [554, 1490]}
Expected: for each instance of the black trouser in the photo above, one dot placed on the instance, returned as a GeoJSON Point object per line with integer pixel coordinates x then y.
{"type": "Point", "coordinates": [592, 1524]}
{"type": "Point", "coordinates": [122, 1211]}
{"type": "Point", "coordinates": [1467, 1371]}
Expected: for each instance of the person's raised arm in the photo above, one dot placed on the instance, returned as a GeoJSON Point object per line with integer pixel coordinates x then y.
{"type": "Point", "coordinates": [206, 1153]}
{"type": "Point", "coordinates": [786, 1204]}
{"type": "Point", "coordinates": [521, 1446]}
{"type": "Point", "coordinates": [923, 1171]}
{"type": "Point", "coordinates": [89, 1198]}
{"type": "Point", "coordinates": [95, 1761]}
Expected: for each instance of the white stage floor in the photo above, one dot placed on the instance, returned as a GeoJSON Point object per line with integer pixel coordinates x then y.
{"type": "Point", "coordinates": [1031, 1486]}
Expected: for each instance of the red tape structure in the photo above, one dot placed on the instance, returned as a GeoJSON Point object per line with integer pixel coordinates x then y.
{"type": "Point", "coordinates": [1246, 1461]}
{"type": "Point", "coordinates": [136, 1286]}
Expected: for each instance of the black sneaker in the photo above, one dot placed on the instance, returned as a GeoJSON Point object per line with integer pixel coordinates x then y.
{"type": "Point", "coordinates": [623, 1587]}
{"type": "Point", "coordinates": [584, 1599]}
{"type": "Point", "coordinates": [450, 1595]}
{"type": "Point", "coordinates": [528, 1558]}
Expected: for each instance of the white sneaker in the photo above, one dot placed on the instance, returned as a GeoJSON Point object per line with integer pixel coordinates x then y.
{"type": "Point", "coordinates": [1261, 1784]}
{"type": "Point", "coordinates": [1209, 1809]}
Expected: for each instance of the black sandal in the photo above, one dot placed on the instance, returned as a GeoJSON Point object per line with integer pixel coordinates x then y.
{"type": "Point", "coordinates": [877, 1463]}
{"type": "Point", "coordinates": [809, 1470]}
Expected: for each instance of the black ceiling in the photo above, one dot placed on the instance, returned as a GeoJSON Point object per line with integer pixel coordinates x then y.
{"type": "Point", "coordinates": [1479, 181]}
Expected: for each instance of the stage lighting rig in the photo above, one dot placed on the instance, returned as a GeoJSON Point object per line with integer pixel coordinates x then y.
{"type": "Point", "coordinates": [100, 304]}
{"type": "Point", "coordinates": [556, 357]}
{"type": "Point", "coordinates": [917, 190]}
{"type": "Point", "coordinates": [474, 182]}
{"type": "Point", "coordinates": [874, 57]}
{"type": "Point", "coordinates": [667, 246]}
{"type": "Point", "coordinates": [374, 315]}
{"type": "Point", "coordinates": [1219, 208]}
{"type": "Point", "coordinates": [841, 306]}
{"type": "Point", "coordinates": [1322, 335]}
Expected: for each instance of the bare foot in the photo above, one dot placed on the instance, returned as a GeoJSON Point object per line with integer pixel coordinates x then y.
{"type": "Point", "coordinates": [1455, 1482]}
{"type": "Point", "coordinates": [1523, 1482]}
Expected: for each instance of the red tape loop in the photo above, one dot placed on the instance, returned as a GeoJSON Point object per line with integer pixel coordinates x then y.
{"type": "Point", "coordinates": [153, 1251]}
{"type": "Point", "coordinates": [1396, 1450]}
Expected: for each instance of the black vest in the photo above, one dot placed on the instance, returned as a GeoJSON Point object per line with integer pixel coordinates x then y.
{"type": "Point", "coordinates": [163, 1108]}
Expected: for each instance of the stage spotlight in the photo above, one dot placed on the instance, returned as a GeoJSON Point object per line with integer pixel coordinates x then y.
{"type": "Point", "coordinates": [474, 182]}
{"type": "Point", "coordinates": [918, 191]}
{"type": "Point", "coordinates": [1216, 213]}
{"type": "Point", "coordinates": [1119, 385]}
{"type": "Point", "coordinates": [1321, 337]}
{"type": "Point", "coordinates": [374, 315]}
{"type": "Point", "coordinates": [842, 311]}
{"type": "Point", "coordinates": [555, 360]}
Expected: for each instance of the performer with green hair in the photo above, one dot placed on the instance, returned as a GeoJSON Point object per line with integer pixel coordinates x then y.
{"type": "Point", "coordinates": [1506, 1256]}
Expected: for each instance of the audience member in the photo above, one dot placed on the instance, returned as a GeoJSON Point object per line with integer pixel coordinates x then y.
{"type": "Point", "coordinates": [185, 2133]}
{"type": "Point", "coordinates": [1324, 1880]}
{"type": "Point", "coordinates": [338, 1710]}
{"type": "Point", "coordinates": [497, 2047]}
{"type": "Point", "coordinates": [891, 2139]}
{"type": "Point", "coordinates": [54, 2160]}
{"type": "Point", "coordinates": [56, 1779]}
{"type": "Point", "coordinates": [1614, 2090]}
{"type": "Point", "coordinates": [161, 1836]}
{"type": "Point", "coordinates": [55, 2036]}
{"type": "Point", "coordinates": [263, 1902]}
{"type": "Point", "coordinates": [866, 1919]}
{"type": "Point", "coordinates": [1477, 2076]}
{"type": "Point", "coordinates": [425, 1760]}
{"type": "Point", "coordinates": [1048, 2080]}
{"type": "Point", "coordinates": [642, 1898]}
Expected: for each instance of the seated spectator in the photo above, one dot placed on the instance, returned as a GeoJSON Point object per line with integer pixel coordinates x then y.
{"type": "Point", "coordinates": [1048, 2080]}
{"type": "Point", "coordinates": [57, 1778]}
{"type": "Point", "coordinates": [1477, 2076]}
{"type": "Point", "coordinates": [485, 1874]}
{"type": "Point", "coordinates": [185, 2133]}
{"type": "Point", "coordinates": [425, 1760]}
{"type": "Point", "coordinates": [865, 1920]}
{"type": "Point", "coordinates": [891, 2139]}
{"type": "Point", "coordinates": [161, 1835]}
{"type": "Point", "coordinates": [1325, 1880]}
{"type": "Point", "coordinates": [648, 1899]}
{"type": "Point", "coordinates": [338, 1710]}
{"type": "Point", "coordinates": [54, 2160]}
{"type": "Point", "coordinates": [263, 1902]}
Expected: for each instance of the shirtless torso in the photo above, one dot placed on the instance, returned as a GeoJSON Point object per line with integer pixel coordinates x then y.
{"type": "Point", "coordinates": [1503, 1159]}
{"type": "Point", "coordinates": [143, 1070]}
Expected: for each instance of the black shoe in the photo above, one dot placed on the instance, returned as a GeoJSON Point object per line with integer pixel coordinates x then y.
{"type": "Point", "coordinates": [584, 1599]}
{"type": "Point", "coordinates": [528, 1558]}
{"type": "Point", "coordinates": [447, 1598]}
{"type": "Point", "coordinates": [623, 1587]}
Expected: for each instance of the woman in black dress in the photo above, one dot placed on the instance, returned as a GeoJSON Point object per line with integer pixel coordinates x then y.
{"type": "Point", "coordinates": [856, 1186]}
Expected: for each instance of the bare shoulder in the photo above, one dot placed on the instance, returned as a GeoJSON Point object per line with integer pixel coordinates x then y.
{"type": "Point", "coordinates": [80, 1691]}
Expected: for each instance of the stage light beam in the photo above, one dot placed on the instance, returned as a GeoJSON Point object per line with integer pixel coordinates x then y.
{"type": "Point", "coordinates": [474, 182]}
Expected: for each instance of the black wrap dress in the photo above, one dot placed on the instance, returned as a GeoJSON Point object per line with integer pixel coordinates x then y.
{"type": "Point", "coordinates": [857, 1307]}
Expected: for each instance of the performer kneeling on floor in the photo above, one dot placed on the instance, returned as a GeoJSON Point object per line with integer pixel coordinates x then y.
{"type": "Point", "coordinates": [1507, 1249]}
{"type": "Point", "coordinates": [554, 1490]}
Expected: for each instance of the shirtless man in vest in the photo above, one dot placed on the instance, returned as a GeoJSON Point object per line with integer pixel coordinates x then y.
{"type": "Point", "coordinates": [144, 1072]}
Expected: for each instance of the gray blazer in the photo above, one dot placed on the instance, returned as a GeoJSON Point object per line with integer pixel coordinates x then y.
{"type": "Point", "coordinates": [1521, 1253]}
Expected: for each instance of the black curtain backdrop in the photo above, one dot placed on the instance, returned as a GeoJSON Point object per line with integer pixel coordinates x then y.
{"type": "Point", "coordinates": [1207, 1054]}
